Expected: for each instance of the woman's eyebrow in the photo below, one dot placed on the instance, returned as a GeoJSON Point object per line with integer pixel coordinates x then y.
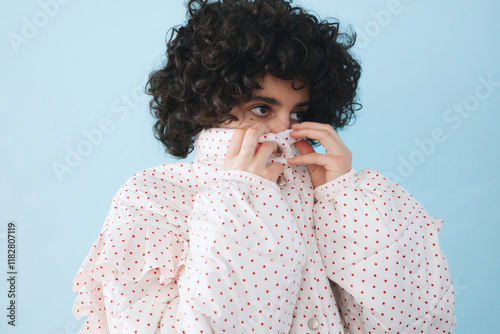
{"type": "Point", "coordinates": [270, 100]}
{"type": "Point", "coordinates": [274, 102]}
{"type": "Point", "coordinates": [302, 104]}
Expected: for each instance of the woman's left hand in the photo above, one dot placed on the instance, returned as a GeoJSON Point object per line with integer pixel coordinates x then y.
{"type": "Point", "coordinates": [326, 167]}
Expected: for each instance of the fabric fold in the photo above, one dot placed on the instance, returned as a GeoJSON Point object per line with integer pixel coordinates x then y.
{"type": "Point", "coordinates": [127, 251]}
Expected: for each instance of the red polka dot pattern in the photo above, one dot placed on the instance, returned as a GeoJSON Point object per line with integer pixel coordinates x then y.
{"type": "Point", "coordinates": [191, 248]}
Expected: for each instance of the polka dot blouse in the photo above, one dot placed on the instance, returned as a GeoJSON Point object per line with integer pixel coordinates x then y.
{"type": "Point", "coordinates": [194, 248]}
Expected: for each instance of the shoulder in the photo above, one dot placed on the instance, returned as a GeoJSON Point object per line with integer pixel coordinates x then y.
{"type": "Point", "coordinates": [168, 186]}
{"type": "Point", "coordinates": [162, 196]}
{"type": "Point", "coordinates": [161, 178]}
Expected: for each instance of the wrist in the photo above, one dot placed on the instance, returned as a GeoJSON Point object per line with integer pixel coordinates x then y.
{"type": "Point", "coordinates": [330, 189]}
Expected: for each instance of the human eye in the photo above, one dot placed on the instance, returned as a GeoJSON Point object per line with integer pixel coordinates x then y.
{"type": "Point", "coordinates": [297, 116]}
{"type": "Point", "coordinates": [260, 111]}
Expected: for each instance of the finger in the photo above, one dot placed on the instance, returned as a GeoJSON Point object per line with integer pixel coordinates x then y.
{"type": "Point", "coordinates": [310, 159]}
{"type": "Point", "coordinates": [313, 125]}
{"type": "Point", "coordinates": [332, 143]}
{"type": "Point", "coordinates": [318, 126]}
{"type": "Point", "coordinates": [257, 148]}
{"type": "Point", "coordinates": [251, 139]}
{"type": "Point", "coordinates": [266, 149]}
{"type": "Point", "coordinates": [274, 171]}
{"type": "Point", "coordinates": [235, 143]}
{"type": "Point", "coordinates": [316, 134]}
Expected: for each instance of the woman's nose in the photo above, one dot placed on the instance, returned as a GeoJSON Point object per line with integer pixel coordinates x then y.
{"type": "Point", "coordinates": [280, 123]}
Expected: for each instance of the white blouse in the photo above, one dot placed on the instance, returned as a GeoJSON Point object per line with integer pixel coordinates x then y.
{"type": "Point", "coordinates": [192, 248]}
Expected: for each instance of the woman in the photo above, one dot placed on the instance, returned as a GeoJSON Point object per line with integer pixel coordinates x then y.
{"type": "Point", "coordinates": [261, 233]}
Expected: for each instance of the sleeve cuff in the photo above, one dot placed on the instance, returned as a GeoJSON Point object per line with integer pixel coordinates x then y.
{"type": "Point", "coordinates": [328, 190]}
{"type": "Point", "coordinates": [253, 180]}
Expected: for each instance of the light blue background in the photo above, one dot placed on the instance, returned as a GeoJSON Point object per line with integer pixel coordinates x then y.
{"type": "Point", "coordinates": [84, 64]}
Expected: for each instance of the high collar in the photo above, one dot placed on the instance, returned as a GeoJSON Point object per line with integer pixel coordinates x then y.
{"type": "Point", "coordinates": [211, 144]}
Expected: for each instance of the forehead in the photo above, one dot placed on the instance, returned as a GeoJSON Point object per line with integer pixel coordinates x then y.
{"type": "Point", "coordinates": [275, 86]}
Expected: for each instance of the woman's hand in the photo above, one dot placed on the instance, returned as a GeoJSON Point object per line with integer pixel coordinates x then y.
{"type": "Point", "coordinates": [323, 168]}
{"type": "Point", "coordinates": [247, 154]}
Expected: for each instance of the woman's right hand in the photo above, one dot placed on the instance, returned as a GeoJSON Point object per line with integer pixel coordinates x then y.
{"type": "Point", "coordinates": [247, 154]}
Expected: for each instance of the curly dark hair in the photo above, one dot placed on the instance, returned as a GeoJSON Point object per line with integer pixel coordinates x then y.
{"type": "Point", "coordinates": [217, 58]}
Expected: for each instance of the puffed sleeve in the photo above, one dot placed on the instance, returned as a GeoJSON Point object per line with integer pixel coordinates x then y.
{"type": "Point", "coordinates": [244, 262]}
{"type": "Point", "coordinates": [127, 283]}
{"type": "Point", "coordinates": [381, 251]}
